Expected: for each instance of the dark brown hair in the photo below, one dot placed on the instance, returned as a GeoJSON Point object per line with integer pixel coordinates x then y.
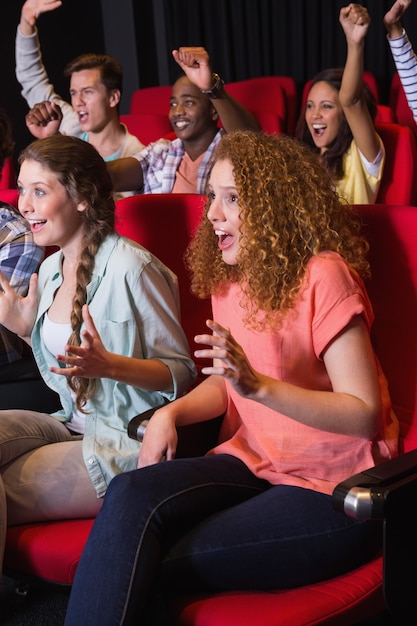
{"type": "Point", "coordinates": [333, 156]}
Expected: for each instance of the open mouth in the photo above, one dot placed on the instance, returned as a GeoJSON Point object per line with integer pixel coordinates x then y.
{"type": "Point", "coordinates": [319, 129]}
{"type": "Point", "coordinates": [181, 124]}
{"type": "Point", "coordinates": [36, 225]}
{"type": "Point", "coordinates": [225, 239]}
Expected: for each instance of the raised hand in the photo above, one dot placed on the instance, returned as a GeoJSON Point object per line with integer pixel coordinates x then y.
{"type": "Point", "coordinates": [32, 9]}
{"type": "Point", "coordinates": [18, 313]}
{"type": "Point", "coordinates": [44, 119]}
{"type": "Point", "coordinates": [393, 17]}
{"type": "Point", "coordinates": [195, 63]}
{"type": "Point", "coordinates": [90, 359]}
{"type": "Point", "coordinates": [355, 21]}
{"type": "Point", "coordinates": [229, 360]}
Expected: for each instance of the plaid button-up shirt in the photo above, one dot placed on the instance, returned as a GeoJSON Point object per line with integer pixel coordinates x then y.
{"type": "Point", "coordinates": [19, 258]}
{"type": "Point", "coordinates": [161, 160]}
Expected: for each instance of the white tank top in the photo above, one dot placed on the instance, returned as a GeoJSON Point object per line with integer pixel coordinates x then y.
{"type": "Point", "coordinates": [55, 337]}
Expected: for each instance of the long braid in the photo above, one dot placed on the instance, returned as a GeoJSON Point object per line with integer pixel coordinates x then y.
{"type": "Point", "coordinates": [83, 387]}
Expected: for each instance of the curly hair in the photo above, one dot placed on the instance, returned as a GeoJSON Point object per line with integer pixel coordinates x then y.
{"type": "Point", "coordinates": [82, 171]}
{"type": "Point", "coordinates": [6, 138]}
{"type": "Point", "coordinates": [289, 212]}
{"type": "Point", "coordinates": [333, 156]}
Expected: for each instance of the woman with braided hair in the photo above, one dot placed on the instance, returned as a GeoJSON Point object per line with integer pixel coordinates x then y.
{"type": "Point", "coordinates": [129, 359]}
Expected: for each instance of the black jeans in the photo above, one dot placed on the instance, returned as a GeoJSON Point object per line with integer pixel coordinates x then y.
{"type": "Point", "coordinates": [207, 523]}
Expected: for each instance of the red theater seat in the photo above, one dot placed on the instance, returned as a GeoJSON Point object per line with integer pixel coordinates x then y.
{"type": "Point", "coordinates": [7, 174]}
{"type": "Point", "coordinates": [151, 100]}
{"type": "Point", "coordinates": [147, 127]}
{"type": "Point", "coordinates": [399, 181]}
{"type": "Point", "coordinates": [263, 94]}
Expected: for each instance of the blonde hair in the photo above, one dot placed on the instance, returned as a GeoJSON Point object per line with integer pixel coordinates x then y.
{"type": "Point", "coordinates": [82, 171]}
{"type": "Point", "coordinates": [290, 212]}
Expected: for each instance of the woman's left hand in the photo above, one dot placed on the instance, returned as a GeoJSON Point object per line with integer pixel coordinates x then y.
{"type": "Point", "coordinates": [90, 359]}
{"type": "Point", "coordinates": [229, 360]}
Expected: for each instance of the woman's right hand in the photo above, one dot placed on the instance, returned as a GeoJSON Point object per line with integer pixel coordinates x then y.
{"type": "Point", "coordinates": [18, 313]}
{"type": "Point", "coordinates": [393, 17]}
{"type": "Point", "coordinates": [160, 439]}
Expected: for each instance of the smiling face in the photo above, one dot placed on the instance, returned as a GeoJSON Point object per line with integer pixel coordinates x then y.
{"type": "Point", "coordinates": [55, 219]}
{"type": "Point", "coordinates": [224, 211]}
{"type": "Point", "coordinates": [324, 114]}
{"type": "Point", "coordinates": [94, 105]}
{"type": "Point", "coordinates": [191, 114]}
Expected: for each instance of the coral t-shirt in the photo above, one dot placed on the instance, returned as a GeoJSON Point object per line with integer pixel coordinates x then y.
{"type": "Point", "coordinates": [274, 446]}
{"type": "Point", "coordinates": [186, 179]}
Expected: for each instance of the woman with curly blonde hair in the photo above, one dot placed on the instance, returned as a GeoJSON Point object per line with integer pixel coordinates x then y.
{"type": "Point", "coordinates": [132, 357]}
{"type": "Point", "coordinates": [304, 400]}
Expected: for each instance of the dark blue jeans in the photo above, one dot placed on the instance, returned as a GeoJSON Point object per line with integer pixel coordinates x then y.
{"type": "Point", "coordinates": [207, 524]}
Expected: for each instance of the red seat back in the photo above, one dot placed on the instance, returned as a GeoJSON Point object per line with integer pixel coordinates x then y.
{"type": "Point", "coordinates": [399, 181]}
{"type": "Point", "coordinates": [151, 100]}
{"type": "Point", "coordinates": [147, 127]}
{"type": "Point", "coordinates": [164, 224]}
{"type": "Point", "coordinates": [289, 86]}
{"type": "Point", "coordinates": [391, 231]}
{"type": "Point", "coordinates": [10, 196]}
{"type": "Point", "coordinates": [384, 113]}
{"type": "Point", "coordinates": [8, 174]}
{"type": "Point", "coordinates": [261, 94]}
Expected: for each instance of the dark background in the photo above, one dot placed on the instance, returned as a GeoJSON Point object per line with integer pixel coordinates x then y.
{"type": "Point", "coordinates": [245, 38]}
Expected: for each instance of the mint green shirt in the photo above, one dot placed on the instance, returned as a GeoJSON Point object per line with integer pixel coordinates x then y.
{"type": "Point", "coordinates": [134, 302]}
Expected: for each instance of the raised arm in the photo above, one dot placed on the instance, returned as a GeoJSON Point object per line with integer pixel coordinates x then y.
{"type": "Point", "coordinates": [195, 63]}
{"type": "Point", "coordinates": [355, 21]}
{"type": "Point", "coordinates": [403, 54]}
{"type": "Point", "coordinates": [30, 71]}
{"type": "Point", "coordinates": [393, 17]}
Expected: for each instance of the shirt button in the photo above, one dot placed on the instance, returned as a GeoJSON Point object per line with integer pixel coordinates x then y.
{"type": "Point", "coordinates": [91, 461]}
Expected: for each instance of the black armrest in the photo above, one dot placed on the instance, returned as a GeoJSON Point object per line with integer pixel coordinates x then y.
{"type": "Point", "coordinates": [388, 492]}
{"type": "Point", "coordinates": [366, 495]}
{"type": "Point", "coordinates": [137, 425]}
{"type": "Point", "coordinates": [193, 440]}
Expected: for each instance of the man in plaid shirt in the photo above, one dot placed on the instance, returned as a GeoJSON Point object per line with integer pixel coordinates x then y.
{"type": "Point", "coordinates": [182, 164]}
{"type": "Point", "coordinates": [19, 259]}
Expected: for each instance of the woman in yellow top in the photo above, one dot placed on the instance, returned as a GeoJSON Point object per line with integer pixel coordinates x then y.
{"type": "Point", "coordinates": [338, 118]}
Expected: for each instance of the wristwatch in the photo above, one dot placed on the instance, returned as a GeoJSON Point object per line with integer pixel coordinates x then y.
{"type": "Point", "coordinates": [214, 92]}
